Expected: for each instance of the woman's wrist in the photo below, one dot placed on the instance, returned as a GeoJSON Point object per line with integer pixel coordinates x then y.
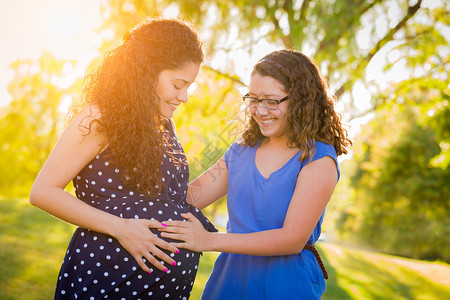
{"type": "Point", "coordinates": [115, 227]}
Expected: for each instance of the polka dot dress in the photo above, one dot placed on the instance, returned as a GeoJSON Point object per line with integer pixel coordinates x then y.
{"type": "Point", "coordinates": [96, 266]}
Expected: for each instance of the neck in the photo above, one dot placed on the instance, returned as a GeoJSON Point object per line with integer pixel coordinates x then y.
{"type": "Point", "coordinates": [278, 141]}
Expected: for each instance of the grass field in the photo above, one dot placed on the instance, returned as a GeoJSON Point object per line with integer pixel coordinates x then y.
{"type": "Point", "coordinates": [32, 246]}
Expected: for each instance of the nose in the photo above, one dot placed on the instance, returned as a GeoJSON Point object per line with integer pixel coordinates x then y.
{"type": "Point", "coordinates": [261, 110]}
{"type": "Point", "coordinates": [182, 96]}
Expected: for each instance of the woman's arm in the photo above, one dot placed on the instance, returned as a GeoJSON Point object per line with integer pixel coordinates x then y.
{"type": "Point", "coordinates": [72, 152]}
{"type": "Point", "coordinates": [210, 186]}
{"type": "Point", "coordinates": [315, 185]}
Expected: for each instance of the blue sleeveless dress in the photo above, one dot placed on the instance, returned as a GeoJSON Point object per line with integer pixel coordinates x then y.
{"type": "Point", "coordinates": [96, 266]}
{"type": "Point", "coordinates": [256, 203]}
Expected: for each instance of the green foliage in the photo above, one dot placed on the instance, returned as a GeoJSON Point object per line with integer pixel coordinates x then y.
{"type": "Point", "coordinates": [398, 197]}
{"type": "Point", "coordinates": [325, 30]}
{"type": "Point", "coordinates": [402, 199]}
{"type": "Point", "coordinates": [218, 123]}
{"type": "Point", "coordinates": [31, 123]}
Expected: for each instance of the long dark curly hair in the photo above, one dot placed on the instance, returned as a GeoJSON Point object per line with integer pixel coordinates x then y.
{"type": "Point", "coordinates": [311, 115]}
{"type": "Point", "coordinates": [123, 88]}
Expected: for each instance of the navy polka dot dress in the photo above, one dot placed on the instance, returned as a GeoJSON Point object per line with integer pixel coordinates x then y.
{"type": "Point", "coordinates": [96, 266]}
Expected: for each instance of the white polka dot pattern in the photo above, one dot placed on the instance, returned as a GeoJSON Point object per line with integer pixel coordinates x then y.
{"type": "Point", "coordinates": [96, 266]}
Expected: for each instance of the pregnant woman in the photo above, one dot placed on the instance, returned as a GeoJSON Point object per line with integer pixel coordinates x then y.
{"type": "Point", "coordinates": [128, 169]}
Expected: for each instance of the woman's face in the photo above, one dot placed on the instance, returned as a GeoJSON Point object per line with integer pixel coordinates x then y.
{"type": "Point", "coordinates": [172, 87]}
{"type": "Point", "coordinates": [272, 122]}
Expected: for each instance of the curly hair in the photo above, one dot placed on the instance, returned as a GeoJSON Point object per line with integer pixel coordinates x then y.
{"type": "Point", "coordinates": [311, 115]}
{"type": "Point", "coordinates": [123, 88]}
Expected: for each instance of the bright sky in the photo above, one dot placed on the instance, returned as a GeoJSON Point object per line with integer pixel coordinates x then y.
{"type": "Point", "coordinates": [67, 29]}
{"type": "Point", "coordinates": [64, 27]}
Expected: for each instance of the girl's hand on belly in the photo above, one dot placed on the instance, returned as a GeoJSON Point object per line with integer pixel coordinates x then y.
{"type": "Point", "coordinates": [192, 234]}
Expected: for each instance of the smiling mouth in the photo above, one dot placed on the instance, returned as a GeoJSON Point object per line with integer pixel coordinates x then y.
{"type": "Point", "coordinates": [267, 122]}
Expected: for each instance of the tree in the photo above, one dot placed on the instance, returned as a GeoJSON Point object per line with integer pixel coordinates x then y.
{"type": "Point", "coordinates": [399, 195]}
{"type": "Point", "coordinates": [401, 198]}
{"type": "Point", "coordinates": [31, 123]}
{"type": "Point", "coordinates": [329, 31]}
{"type": "Point", "coordinates": [400, 170]}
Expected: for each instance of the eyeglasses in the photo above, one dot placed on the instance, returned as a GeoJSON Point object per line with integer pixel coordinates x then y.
{"type": "Point", "coordinates": [270, 104]}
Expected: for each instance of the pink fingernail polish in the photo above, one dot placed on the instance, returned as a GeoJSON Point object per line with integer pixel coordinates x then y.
{"type": "Point", "coordinates": [165, 270]}
{"type": "Point", "coordinates": [163, 224]}
{"type": "Point", "coordinates": [174, 264]}
{"type": "Point", "coordinates": [149, 272]}
{"type": "Point", "coordinates": [178, 251]}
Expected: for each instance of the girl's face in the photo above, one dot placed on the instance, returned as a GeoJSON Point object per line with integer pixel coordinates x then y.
{"type": "Point", "coordinates": [172, 87]}
{"type": "Point", "coordinates": [272, 122]}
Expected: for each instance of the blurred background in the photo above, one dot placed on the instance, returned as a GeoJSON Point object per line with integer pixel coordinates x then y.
{"type": "Point", "coordinates": [387, 226]}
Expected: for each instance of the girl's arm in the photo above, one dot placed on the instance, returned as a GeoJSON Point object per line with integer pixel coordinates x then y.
{"type": "Point", "coordinates": [72, 152]}
{"type": "Point", "coordinates": [315, 185]}
{"type": "Point", "coordinates": [209, 186]}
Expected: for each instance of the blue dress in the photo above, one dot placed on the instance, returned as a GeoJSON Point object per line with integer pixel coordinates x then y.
{"type": "Point", "coordinates": [96, 266]}
{"type": "Point", "coordinates": [256, 203]}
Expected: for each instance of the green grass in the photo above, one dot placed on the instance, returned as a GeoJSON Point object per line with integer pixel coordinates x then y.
{"type": "Point", "coordinates": [357, 274]}
{"type": "Point", "coordinates": [32, 246]}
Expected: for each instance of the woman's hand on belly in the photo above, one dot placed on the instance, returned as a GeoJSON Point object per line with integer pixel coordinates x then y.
{"type": "Point", "coordinates": [141, 243]}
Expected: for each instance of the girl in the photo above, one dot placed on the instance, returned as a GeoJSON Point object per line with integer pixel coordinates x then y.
{"type": "Point", "coordinates": [128, 170]}
{"type": "Point", "coordinates": [278, 179]}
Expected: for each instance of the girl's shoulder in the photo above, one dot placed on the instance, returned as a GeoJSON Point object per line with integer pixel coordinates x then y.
{"type": "Point", "coordinates": [322, 148]}
{"type": "Point", "coordinates": [236, 150]}
{"type": "Point", "coordinates": [239, 145]}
